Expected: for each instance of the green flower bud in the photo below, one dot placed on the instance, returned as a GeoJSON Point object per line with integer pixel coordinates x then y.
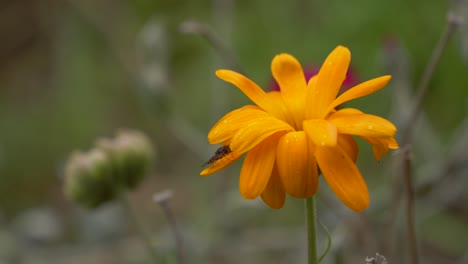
{"type": "Point", "coordinates": [88, 178]}
{"type": "Point", "coordinates": [131, 154]}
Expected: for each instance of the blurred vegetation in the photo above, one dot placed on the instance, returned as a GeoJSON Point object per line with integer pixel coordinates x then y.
{"type": "Point", "coordinates": [74, 71]}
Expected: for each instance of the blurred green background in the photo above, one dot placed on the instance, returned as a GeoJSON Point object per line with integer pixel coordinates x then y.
{"type": "Point", "coordinates": [74, 71]}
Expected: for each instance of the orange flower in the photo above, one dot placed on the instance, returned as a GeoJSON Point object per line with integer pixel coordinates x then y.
{"type": "Point", "coordinates": [291, 134]}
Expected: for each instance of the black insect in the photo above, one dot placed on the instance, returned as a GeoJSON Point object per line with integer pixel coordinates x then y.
{"type": "Point", "coordinates": [220, 153]}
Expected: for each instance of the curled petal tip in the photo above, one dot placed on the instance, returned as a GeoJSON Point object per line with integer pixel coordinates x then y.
{"type": "Point", "coordinates": [360, 207]}
{"type": "Point", "coordinates": [386, 78]}
{"type": "Point", "coordinates": [342, 49]}
{"type": "Point", "coordinates": [283, 55]}
{"type": "Point", "coordinates": [221, 72]}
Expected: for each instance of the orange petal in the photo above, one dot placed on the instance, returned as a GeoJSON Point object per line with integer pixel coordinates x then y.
{"type": "Point", "coordinates": [274, 194]}
{"type": "Point", "coordinates": [328, 83]}
{"type": "Point", "coordinates": [312, 82]}
{"type": "Point", "coordinates": [381, 145]}
{"type": "Point", "coordinates": [249, 88]}
{"type": "Point", "coordinates": [280, 110]}
{"type": "Point", "coordinates": [228, 125]}
{"type": "Point", "coordinates": [321, 132]}
{"type": "Point", "coordinates": [363, 125]}
{"type": "Point", "coordinates": [289, 74]}
{"type": "Point", "coordinates": [296, 165]}
{"type": "Point", "coordinates": [255, 132]}
{"type": "Point", "coordinates": [349, 145]}
{"type": "Point", "coordinates": [360, 90]}
{"type": "Point", "coordinates": [257, 168]}
{"type": "Point", "coordinates": [343, 177]}
{"type": "Point", "coordinates": [347, 111]}
{"type": "Point", "coordinates": [220, 164]}
{"type": "Point", "coordinates": [392, 143]}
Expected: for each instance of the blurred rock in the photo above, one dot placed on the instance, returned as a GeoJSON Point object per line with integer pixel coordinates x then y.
{"type": "Point", "coordinates": [41, 225]}
{"type": "Point", "coordinates": [8, 247]}
{"type": "Point", "coordinates": [102, 224]}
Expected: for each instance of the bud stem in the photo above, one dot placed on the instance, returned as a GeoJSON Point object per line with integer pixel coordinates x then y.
{"type": "Point", "coordinates": [140, 229]}
{"type": "Point", "coordinates": [163, 198]}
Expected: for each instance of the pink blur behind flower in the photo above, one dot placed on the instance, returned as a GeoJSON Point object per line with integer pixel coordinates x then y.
{"type": "Point", "coordinates": [310, 71]}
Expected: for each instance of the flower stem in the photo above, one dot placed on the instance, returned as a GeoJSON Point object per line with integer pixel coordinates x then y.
{"type": "Point", "coordinates": [311, 220]}
{"type": "Point", "coordinates": [146, 239]}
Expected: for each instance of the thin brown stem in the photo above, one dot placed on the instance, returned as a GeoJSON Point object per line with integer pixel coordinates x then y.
{"type": "Point", "coordinates": [162, 199]}
{"type": "Point", "coordinates": [453, 23]}
{"type": "Point", "coordinates": [140, 229]}
{"type": "Point", "coordinates": [410, 231]}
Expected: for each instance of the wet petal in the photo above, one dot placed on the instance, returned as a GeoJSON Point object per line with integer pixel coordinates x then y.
{"type": "Point", "coordinates": [274, 194]}
{"type": "Point", "coordinates": [255, 132]}
{"type": "Point", "coordinates": [228, 125]}
{"type": "Point", "coordinates": [249, 88]}
{"type": "Point", "coordinates": [220, 164]}
{"type": "Point", "coordinates": [289, 74]}
{"type": "Point", "coordinates": [257, 168]}
{"type": "Point", "coordinates": [343, 177]}
{"type": "Point", "coordinates": [360, 90]}
{"type": "Point", "coordinates": [321, 132]}
{"type": "Point", "coordinates": [296, 165]}
{"type": "Point", "coordinates": [349, 145]}
{"type": "Point", "coordinates": [363, 125]}
{"type": "Point", "coordinates": [328, 83]}
{"type": "Point", "coordinates": [381, 145]}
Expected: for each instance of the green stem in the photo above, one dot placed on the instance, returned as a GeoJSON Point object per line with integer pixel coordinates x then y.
{"type": "Point", "coordinates": [311, 220]}
{"type": "Point", "coordinates": [140, 229]}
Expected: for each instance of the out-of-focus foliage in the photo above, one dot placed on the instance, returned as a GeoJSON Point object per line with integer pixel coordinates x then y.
{"type": "Point", "coordinates": [73, 71]}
